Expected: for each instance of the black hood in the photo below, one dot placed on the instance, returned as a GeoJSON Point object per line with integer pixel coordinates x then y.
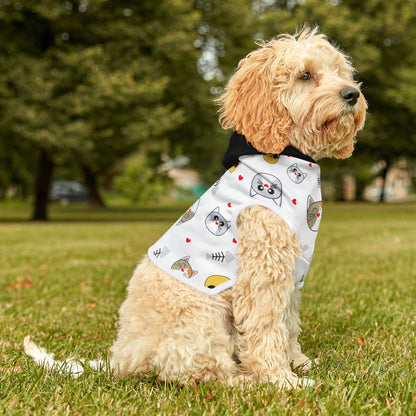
{"type": "Point", "coordinates": [239, 146]}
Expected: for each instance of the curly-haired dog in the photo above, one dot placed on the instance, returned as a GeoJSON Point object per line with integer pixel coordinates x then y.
{"type": "Point", "coordinates": [217, 297]}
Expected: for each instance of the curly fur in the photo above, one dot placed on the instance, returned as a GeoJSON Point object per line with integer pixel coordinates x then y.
{"type": "Point", "coordinates": [249, 332]}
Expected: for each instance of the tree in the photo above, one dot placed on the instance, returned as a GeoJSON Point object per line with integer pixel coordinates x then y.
{"type": "Point", "coordinates": [86, 83]}
{"type": "Point", "coordinates": [225, 34]}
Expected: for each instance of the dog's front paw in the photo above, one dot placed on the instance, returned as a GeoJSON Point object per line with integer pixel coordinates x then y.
{"type": "Point", "coordinates": [303, 364]}
{"type": "Point", "coordinates": [297, 383]}
{"type": "Point", "coordinates": [306, 382]}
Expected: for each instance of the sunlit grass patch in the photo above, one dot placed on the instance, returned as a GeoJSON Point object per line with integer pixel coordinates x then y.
{"type": "Point", "coordinates": [63, 282]}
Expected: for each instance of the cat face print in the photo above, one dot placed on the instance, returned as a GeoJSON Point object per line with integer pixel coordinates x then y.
{"type": "Point", "coordinates": [314, 213]}
{"type": "Point", "coordinates": [216, 223]}
{"type": "Point", "coordinates": [295, 174]}
{"type": "Point", "coordinates": [268, 186]}
{"type": "Point", "coordinates": [188, 215]}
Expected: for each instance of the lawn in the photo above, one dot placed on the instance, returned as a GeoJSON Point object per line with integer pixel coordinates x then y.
{"type": "Point", "coordinates": [62, 282]}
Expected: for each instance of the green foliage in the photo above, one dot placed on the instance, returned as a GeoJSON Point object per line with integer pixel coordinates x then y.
{"type": "Point", "coordinates": [82, 90]}
{"type": "Point", "coordinates": [139, 181]}
{"type": "Point", "coordinates": [224, 36]}
{"type": "Point", "coordinates": [92, 83]}
{"type": "Point", "coordinates": [334, 172]}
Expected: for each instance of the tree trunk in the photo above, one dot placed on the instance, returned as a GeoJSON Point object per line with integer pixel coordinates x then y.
{"type": "Point", "coordinates": [384, 177]}
{"type": "Point", "coordinates": [42, 185]}
{"type": "Point", "coordinates": [90, 179]}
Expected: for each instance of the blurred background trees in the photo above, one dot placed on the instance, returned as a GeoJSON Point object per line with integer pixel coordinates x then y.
{"type": "Point", "coordinates": [90, 89]}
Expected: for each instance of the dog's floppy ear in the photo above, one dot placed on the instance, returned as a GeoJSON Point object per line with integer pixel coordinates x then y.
{"type": "Point", "coordinates": [251, 104]}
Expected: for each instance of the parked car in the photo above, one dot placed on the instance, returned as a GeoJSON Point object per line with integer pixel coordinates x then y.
{"type": "Point", "coordinates": [68, 191]}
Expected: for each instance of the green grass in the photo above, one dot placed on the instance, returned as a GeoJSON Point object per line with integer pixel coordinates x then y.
{"type": "Point", "coordinates": [117, 211]}
{"type": "Point", "coordinates": [62, 282]}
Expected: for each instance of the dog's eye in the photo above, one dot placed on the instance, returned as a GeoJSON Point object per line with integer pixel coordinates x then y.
{"type": "Point", "coordinates": [306, 76]}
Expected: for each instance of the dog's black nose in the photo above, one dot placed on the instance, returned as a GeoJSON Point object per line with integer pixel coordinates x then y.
{"type": "Point", "coordinates": [350, 95]}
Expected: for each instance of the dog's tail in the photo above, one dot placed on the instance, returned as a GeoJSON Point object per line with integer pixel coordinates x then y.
{"type": "Point", "coordinates": [71, 365]}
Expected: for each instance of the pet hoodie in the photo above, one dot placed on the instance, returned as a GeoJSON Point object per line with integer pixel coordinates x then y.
{"type": "Point", "coordinates": [200, 248]}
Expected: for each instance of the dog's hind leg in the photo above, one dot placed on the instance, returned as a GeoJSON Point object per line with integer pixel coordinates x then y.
{"type": "Point", "coordinates": [173, 329]}
{"type": "Point", "coordinates": [198, 349]}
{"type": "Point", "coordinates": [267, 252]}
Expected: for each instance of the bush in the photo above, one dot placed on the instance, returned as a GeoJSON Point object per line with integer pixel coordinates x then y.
{"type": "Point", "coordinates": [140, 181]}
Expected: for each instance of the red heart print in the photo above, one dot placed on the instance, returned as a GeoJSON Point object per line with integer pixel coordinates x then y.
{"type": "Point", "coordinates": [229, 205]}
{"type": "Point", "coordinates": [188, 240]}
{"type": "Point", "coordinates": [294, 202]}
{"type": "Point", "coordinates": [310, 164]}
{"type": "Point", "coordinates": [240, 178]}
{"type": "Point", "coordinates": [318, 215]}
{"type": "Point", "coordinates": [234, 241]}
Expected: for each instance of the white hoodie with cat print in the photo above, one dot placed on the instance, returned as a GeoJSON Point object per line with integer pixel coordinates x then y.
{"type": "Point", "coordinates": [200, 248]}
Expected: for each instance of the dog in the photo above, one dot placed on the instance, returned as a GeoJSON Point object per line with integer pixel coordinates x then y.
{"type": "Point", "coordinates": [217, 297]}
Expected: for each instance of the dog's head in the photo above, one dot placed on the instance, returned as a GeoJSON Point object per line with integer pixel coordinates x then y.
{"type": "Point", "coordinates": [295, 90]}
